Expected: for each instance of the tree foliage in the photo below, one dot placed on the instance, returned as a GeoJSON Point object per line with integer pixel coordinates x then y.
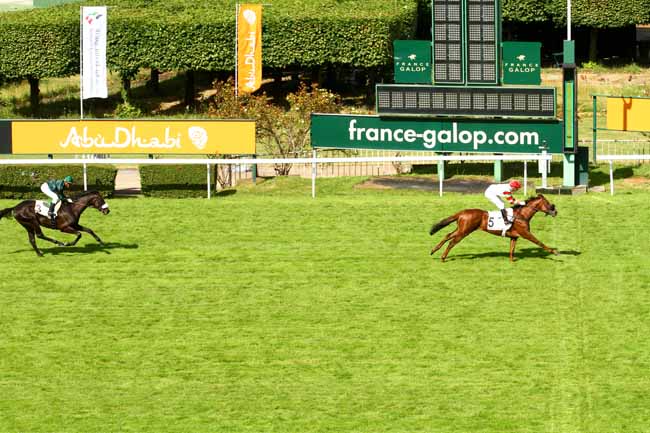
{"type": "Point", "coordinates": [283, 132]}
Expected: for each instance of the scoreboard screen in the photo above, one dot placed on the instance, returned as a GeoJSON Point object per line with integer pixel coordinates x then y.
{"type": "Point", "coordinates": [482, 42]}
{"type": "Point", "coordinates": [424, 100]}
{"type": "Point", "coordinates": [466, 37]}
{"type": "Point", "coordinates": [448, 41]}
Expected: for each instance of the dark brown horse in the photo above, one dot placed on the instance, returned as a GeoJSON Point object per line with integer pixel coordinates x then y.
{"type": "Point", "coordinates": [469, 220]}
{"type": "Point", "coordinates": [67, 219]}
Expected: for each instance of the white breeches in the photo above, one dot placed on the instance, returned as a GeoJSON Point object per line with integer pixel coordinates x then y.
{"type": "Point", "coordinates": [48, 192]}
{"type": "Point", "coordinates": [496, 200]}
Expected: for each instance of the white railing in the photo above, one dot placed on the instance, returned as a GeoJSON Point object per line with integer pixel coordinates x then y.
{"type": "Point", "coordinates": [314, 161]}
{"type": "Point", "coordinates": [612, 158]}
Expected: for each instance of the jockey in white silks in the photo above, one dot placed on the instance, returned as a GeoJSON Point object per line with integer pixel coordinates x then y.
{"type": "Point", "coordinates": [498, 191]}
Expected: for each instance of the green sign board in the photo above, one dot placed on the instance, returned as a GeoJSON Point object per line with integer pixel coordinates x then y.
{"type": "Point", "coordinates": [522, 63]}
{"type": "Point", "coordinates": [439, 135]}
{"type": "Point", "coordinates": [412, 61]}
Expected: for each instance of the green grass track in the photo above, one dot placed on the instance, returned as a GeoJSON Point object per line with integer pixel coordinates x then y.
{"type": "Point", "coordinates": [269, 311]}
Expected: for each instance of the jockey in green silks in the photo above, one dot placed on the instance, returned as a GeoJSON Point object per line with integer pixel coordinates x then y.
{"type": "Point", "coordinates": [54, 189]}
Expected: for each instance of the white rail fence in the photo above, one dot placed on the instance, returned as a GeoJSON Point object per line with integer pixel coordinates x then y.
{"type": "Point", "coordinates": [313, 161]}
{"type": "Point", "coordinates": [611, 158]}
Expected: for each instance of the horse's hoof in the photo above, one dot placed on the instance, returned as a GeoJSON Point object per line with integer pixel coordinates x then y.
{"type": "Point", "coordinates": [556, 252]}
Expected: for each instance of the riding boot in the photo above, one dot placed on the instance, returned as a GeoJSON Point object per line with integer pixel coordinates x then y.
{"type": "Point", "coordinates": [52, 215]}
{"type": "Point", "coordinates": [504, 214]}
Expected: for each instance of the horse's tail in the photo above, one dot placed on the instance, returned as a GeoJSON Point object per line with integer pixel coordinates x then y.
{"type": "Point", "coordinates": [442, 224]}
{"type": "Point", "coordinates": [5, 212]}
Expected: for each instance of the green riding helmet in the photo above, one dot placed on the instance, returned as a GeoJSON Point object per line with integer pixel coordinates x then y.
{"type": "Point", "coordinates": [68, 179]}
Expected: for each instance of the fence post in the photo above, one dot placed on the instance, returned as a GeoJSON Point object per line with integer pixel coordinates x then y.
{"type": "Point", "coordinates": [611, 177]}
{"type": "Point", "coordinates": [545, 165]}
{"type": "Point", "coordinates": [209, 181]}
{"type": "Point", "coordinates": [525, 178]}
{"type": "Point", "coordinates": [313, 174]}
{"type": "Point", "coordinates": [85, 177]}
{"type": "Point", "coordinates": [595, 128]}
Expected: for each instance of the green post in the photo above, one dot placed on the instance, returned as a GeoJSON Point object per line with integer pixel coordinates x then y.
{"type": "Point", "coordinates": [595, 127]}
{"type": "Point", "coordinates": [570, 97]}
{"type": "Point", "coordinates": [498, 171]}
{"type": "Point", "coordinates": [254, 170]}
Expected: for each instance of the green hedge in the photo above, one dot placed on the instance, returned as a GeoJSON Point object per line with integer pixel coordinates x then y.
{"type": "Point", "coordinates": [177, 35]}
{"type": "Point", "coordinates": [173, 181]}
{"type": "Point", "coordinates": [24, 182]}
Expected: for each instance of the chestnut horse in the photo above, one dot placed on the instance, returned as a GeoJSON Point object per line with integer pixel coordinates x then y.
{"type": "Point", "coordinates": [469, 220]}
{"type": "Point", "coordinates": [67, 219]}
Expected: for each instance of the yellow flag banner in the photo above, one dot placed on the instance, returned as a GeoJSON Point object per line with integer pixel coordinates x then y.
{"type": "Point", "coordinates": [249, 48]}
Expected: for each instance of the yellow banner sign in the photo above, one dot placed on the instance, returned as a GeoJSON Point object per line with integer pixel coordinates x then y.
{"type": "Point", "coordinates": [133, 136]}
{"type": "Point", "coordinates": [249, 48]}
{"type": "Point", "coordinates": [628, 114]}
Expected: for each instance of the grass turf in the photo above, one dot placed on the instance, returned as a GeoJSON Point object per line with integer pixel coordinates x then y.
{"type": "Point", "coordinates": [269, 311]}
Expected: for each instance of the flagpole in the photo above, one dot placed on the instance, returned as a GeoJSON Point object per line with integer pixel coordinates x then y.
{"type": "Point", "coordinates": [236, 49]}
{"type": "Point", "coordinates": [81, 63]}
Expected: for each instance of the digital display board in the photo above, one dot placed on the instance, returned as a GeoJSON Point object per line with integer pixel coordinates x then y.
{"type": "Point", "coordinates": [482, 66]}
{"type": "Point", "coordinates": [421, 100]}
{"type": "Point", "coordinates": [448, 41]}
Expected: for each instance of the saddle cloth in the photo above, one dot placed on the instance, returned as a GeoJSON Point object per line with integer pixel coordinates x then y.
{"type": "Point", "coordinates": [495, 221]}
{"type": "Point", "coordinates": [42, 207]}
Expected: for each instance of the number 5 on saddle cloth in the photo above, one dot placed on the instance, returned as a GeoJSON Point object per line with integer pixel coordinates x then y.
{"type": "Point", "coordinates": [496, 223]}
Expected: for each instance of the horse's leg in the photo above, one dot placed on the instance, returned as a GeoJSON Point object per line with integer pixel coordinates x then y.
{"type": "Point", "coordinates": [452, 243]}
{"type": "Point", "coordinates": [30, 234]}
{"type": "Point", "coordinates": [32, 240]}
{"type": "Point", "coordinates": [513, 244]}
{"type": "Point", "coordinates": [528, 235]}
{"type": "Point", "coordinates": [442, 242]}
{"type": "Point", "coordinates": [40, 235]}
{"type": "Point", "coordinates": [90, 232]}
{"type": "Point", "coordinates": [71, 230]}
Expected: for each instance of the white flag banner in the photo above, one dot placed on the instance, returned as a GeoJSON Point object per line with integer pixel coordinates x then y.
{"type": "Point", "coordinates": [93, 21]}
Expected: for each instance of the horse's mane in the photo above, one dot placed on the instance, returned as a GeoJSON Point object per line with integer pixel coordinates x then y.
{"type": "Point", "coordinates": [84, 194]}
{"type": "Point", "coordinates": [528, 200]}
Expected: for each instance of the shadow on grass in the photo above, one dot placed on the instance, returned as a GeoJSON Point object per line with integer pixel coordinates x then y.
{"type": "Point", "coordinates": [511, 169]}
{"type": "Point", "coordinates": [523, 253]}
{"type": "Point", "coordinates": [84, 249]}
{"type": "Point", "coordinates": [598, 177]}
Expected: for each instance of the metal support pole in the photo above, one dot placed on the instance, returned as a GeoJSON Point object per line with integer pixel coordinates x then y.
{"type": "Point", "coordinates": [313, 174]}
{"type": "Point", "coordinates": [611, 177]}
{"type": "Point", "coordinates": [544, 170]}
{"type": "Point", "coordinates": [594, 139]}
{"type": "Point", "coordinates": [209, 182]}
{"type": "Point", "coordinates": [525, 178]}
{"type": "Point", "coordinates": [85, 177]}
{"type": "Point", "coordinates": [440, 180]}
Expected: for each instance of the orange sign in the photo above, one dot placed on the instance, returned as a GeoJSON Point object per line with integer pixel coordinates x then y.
{"type": "Point", "coordinates": [249, 48]}
{"type": "Point", "coordinates": [204, 137]}
{"type": "Point", "coordinates": [628, 114]}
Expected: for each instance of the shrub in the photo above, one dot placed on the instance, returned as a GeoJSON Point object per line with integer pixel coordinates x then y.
{"type": "Point", "coordinates": [283, 133]}
{"type": "Point", "coordinates": [173, 181]}
{"type": "Point", "coordinates": [24, 182]}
